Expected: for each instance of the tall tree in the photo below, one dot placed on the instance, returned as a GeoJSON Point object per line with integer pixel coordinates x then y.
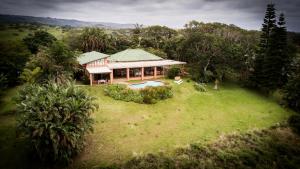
{"type": "Point", "coordinates": [259, 78]}
{"type": "Point", "coordinates": [282, 49]}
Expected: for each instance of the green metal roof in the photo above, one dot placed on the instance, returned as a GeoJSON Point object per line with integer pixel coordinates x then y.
{"type": "Point", "coordinates": [90, 56]}
{"type": "Point", "coordinates": [131, 55]}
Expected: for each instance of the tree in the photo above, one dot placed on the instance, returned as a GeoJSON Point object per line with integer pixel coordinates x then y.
{"type": "Point", "coordinates": [272, 62]}
{"type": "Point", "coordinates": [258, 78]}
{"type": "Point", "coordinates": [292, 88]}
{"type": "Point", "coordinates": [13, 57]}
{"type": "Point", "coordinates": [204, 52]}
{"type": "Point", "coordinates": [57, 62]}
{"type": "Point", "coordinates": [55, 119]}
{"type": "Point", "coordinates": [284, 56]}
{"type": "Point", "coordinates": [94, 39]}
{"type": "Point", "coordinates": [38, 39]}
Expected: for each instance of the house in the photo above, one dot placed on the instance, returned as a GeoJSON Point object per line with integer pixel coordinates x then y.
{"type": "Point", "coordinates": [130, 64]}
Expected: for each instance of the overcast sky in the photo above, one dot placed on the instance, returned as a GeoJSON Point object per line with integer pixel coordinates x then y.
{"type": "Point", "coordinates": [247, 14]}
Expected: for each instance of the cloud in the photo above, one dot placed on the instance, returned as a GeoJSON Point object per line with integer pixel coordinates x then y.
{"type": "Point", "coordinates": [174, 13]}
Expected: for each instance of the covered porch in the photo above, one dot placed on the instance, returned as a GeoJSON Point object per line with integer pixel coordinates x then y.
{"type": "Point", "coordinates": [139, 73]}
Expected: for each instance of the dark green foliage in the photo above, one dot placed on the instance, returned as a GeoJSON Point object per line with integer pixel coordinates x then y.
{"type": "Point", "coordinates": [93, 39]}
{"type": "Point", "coordinates": [294, 122]}
{"type": "Point", "coordinates": [292, 88]}
{"type": "Point", "coordinates": [274, 148]}
{"type": "Point", "coordinates": [149, 95]}
{"type": "Point", "coordinates": [57, 63]}
{"type": "Point", "coordinates": [55, 119]}
{"type": "Point", "coordinates": [173, 72]}
{"type": "Point", "coordinates": [13, 56]}
{"type": "Point", "coordinates": [217, 51]}
{"type": "Point", "coordinates": [272, 60]}
{"type": "Point", "coordinates": [3, 82]}
{"type": "Point", "coordinates": [38, 39]}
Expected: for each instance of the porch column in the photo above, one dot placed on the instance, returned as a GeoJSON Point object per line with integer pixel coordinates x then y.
{"type": "Point", "coordinates": [142, 73]}
{"type": "Point", "coordinates": [127, 74]}
{"type": "Point", "coordinates": [111, 76]}
{"type": "Point", "coordinates": [91, 79]}
{"type": "Point", "coordinates": [155, 72]}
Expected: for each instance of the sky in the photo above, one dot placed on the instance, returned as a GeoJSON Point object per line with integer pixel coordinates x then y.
{"type": "Point", "coordinates": [247, 14]}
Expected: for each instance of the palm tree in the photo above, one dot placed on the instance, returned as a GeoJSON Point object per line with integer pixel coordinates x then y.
{"type": "Point", "coordinates": [94, 39]}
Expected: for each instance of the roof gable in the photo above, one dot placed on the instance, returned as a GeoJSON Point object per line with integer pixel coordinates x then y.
{"type": "Point", "coordinates": [91, 56]}
{"type": "Point", "coordinates": [132, 55]}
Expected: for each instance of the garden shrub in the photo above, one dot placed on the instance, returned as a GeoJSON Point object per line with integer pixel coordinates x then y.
{"type": "Point", "coordinates": [55, 119]}
{"type": "Point", "coordinates": [173, 72]}
{"type": "Point", "coordinates": [149, 95]}
{"type": "Point", "coordinates": [121, 92]}
{"type": "Point", "coordinates": [200, 87]}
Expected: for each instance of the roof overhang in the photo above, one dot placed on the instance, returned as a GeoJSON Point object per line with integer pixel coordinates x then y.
{"type": "Point", "coordinates": [98, 70]}
{"type": "Point", "coordinates": [120, 65]}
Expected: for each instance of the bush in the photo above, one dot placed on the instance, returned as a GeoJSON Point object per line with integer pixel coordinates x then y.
{"type": "Point", "coordinates": [173, 72]}
{"type": "Point", "coordinates": [55, 119]}
{"type": "Point", "coordinates": [121, 92]}
{"type": "Point", "coordinates": [294, 122]}
{"type": "Point", "coordinates": [149, 95]}
{"type": "Point", "coordinates": [200, 87]}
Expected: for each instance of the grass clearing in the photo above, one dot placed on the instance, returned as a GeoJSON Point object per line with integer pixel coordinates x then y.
{"type": "Point", "coordinates": [126, 129]}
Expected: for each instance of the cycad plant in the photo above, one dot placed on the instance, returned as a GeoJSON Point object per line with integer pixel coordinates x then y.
{"type": "Point", "coordinates": [55, 119]}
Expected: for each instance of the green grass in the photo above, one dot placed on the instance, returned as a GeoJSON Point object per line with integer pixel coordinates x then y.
{"type": "Point", "coordinates": [124, 129]}
{"type": "Point", "coordinates": [12, 34]}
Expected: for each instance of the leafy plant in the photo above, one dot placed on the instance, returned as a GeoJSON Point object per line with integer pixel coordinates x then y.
{"type": "Point", "coordinates": [55, 119]}
{"type": "Point", "coordinates": [200, 87]}
{"type": "Point", "coordinates": [30, 76]}
{"type": "Point", "coordinates": [173, 71]}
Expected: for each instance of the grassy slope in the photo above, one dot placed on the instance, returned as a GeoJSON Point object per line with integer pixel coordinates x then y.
{"type": "Point", "coordinates": [126, 129]}
{"type": "Point", "coordinates": [11, 148]}
{"type": "Point", "coordinates": [12, 34]}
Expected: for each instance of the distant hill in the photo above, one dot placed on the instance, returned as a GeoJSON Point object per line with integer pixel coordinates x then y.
{"type": "Point", "coordinates": [61, 22]}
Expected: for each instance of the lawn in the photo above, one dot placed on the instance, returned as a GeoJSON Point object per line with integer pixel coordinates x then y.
{"type": "Point", "coordinates": [125, 129]}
